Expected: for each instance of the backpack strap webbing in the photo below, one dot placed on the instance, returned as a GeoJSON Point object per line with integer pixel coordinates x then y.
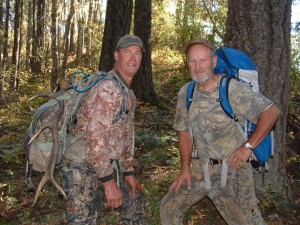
{"type": "Point", "coordinates": [189, 94]}
{"type": "Point", "coordinates": [98, 77]}
{"type": "Point", "coordinates": [223, 97]}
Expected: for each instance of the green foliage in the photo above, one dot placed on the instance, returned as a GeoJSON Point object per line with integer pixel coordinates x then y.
{"type": "Point", "coordinates": [164, 33]}
{"type": "Point", "coordinates": [294, 159]}
{"type": "Point", "coordinates": [12, 156]}
{"type": "Point", "coordinates": [271, 199]}
{"type": "Point", "coordinates": [200, 19]}
{"type": "Point", "coordinates": [154, 202]}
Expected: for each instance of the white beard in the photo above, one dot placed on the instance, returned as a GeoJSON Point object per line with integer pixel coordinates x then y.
{"type": "Point", "coordinates": [203, 79]}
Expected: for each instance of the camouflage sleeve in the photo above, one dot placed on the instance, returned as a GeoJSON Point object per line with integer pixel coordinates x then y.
{"type": "Point", "coordinates": [102, 104]}
{"type": "Point", "coordinates": [125, 138]}
{"type": "Point", "coordinates": [181, 115]}
{"type": "Point", "coordinates": [245, 102]}
{"type": "Point", "coordinates": [127, 157]}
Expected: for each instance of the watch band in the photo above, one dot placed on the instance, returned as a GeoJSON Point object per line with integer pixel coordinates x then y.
{"type": "Point", "coordinates": [249, 146]}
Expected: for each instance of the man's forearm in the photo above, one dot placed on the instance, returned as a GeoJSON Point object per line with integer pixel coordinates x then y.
{"type": "Point", "coordinates": [185, 146]}
{"type": "Point", "coordinates": [264, 125]}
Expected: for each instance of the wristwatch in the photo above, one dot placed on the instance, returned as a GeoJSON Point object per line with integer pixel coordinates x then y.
{"type": "Point", "coordinates": [248, 145]}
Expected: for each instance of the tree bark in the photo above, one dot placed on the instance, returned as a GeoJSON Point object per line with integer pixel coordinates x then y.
{"type": "Point", "coordinates": [38, 36]}
{"type": "Point", "coordinates": [29, 34]}
{"type": "Point", "coordinates": [88, 31]}
{"type": "Point", "coordinates": [142, 83]}
{"type": "Point", "coordinates": [72, 37]}
{"type": "Point", "coordinates": [67, 38]}
{"type": "Point", "coordinates": [1, 29]}
{"type": "Point", "coordinates": [5, 45]}
{"type": "Point", "coordinates": [1, 46]}
{"type": "Point", "coordinates": [21, 36]}
{"type": "Point", "coordinates": [34, 54]}
{"type": "Point", "coordinates": [80, 40]}
{"type": "Point", "coordinates": [54, 48]}
{"type": "Point", "coordinates": [16, 46]}
{"type": "Point", "coordinates": [117, 24]}
{"type": "Point", "coordinates": [40, 24]}
{"type": "Point", "coordinates": [262, 28]}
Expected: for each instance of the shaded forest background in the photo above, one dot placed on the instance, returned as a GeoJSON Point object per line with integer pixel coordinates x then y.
{"type": "Point", "coordinates": [43, 42]}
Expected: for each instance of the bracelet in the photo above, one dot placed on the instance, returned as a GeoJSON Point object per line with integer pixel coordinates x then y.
{"type": "Point", "coordinates": [107, 178]}
{"type": "Point", "coordinates": [128, 173]}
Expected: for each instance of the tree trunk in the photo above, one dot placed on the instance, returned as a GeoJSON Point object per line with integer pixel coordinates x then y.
{"type": "Point", "coordinates": [5, 45]}
{"type": "Point", "coordinates": [16, 46]}
{"type": "Point", "coordinates": [40, 24]}
{"type": "Point", "coordinates": [72, 37]}
{"type": "Point", "coordinates": [262, 29]}
{"type": "Point", "coordinates": [97, 13]}
{"type": "Point", "coordinates": [142, 83]}
{"type": "Point", "coordinates": [5, 48]}
{"type": "Point", "coordinates": [21, 36]}
{"type": "Point", "coordinates": [67, 39]}
{"type": "Point", "coordinates": [54, 48]}
{"type": "Point", "coordinates": [38, 36]}
{"type": "Point", "coordinates": [33, 56]}
{"type": "Point", "coordinates": [1, 29]}
{"type": "Point", "coordinates": [88, 31]}
{"type": "Point", "coordinates": [80, 40]}
{"type": "Point", "coordinates": [29, 34]}
{"type": "Point", "coordinates": [117, 24]}
{"type": "Point", "coordinates": [1, 47]}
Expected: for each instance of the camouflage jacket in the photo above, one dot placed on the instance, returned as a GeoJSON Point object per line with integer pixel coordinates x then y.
{"type": "Point", "coordinates": [215, 134]}
{"type": "Point", "coordinates": [106, 138]}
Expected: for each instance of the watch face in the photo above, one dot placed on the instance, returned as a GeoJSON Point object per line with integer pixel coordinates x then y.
{"type": "Point", "coordinates": [248, 145]}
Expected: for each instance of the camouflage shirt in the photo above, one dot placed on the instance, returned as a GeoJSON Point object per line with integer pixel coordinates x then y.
{"type": "Point", "coordinates": [107, 139]}
{"type": "Point", "coordinates": [215, 134]}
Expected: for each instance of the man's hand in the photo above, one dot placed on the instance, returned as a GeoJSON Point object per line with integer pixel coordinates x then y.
{"type": "Point", "coordinates": [113, 194]}
{"type": "Point", "coordinates": [239, 157]}
{"type": "Point", "coordinates": [184, 176]}
{"type": "Point", "coordinates": [134, 185]}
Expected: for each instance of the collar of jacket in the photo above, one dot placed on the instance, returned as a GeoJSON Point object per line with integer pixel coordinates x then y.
{"type": "Point", "coordinates": [121, 78]}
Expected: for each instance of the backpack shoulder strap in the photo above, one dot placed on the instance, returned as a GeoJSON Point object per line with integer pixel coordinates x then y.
{"type": "Point", "coordinates": [189, 94]}
{"type": "Point", "coordinates": [85, 77]}
{"type": "Point", "coordinates": [109, 75]}
{"type": "Point", "coordinates": [223, 97]}
{"type": "Point", "coordinates": [123, 107]}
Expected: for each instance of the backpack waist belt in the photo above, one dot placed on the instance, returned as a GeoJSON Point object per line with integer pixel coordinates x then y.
{"type": "Point", "coordinates": [223, 173]}
{"type": "Point", "coordinates": [218, 161]}
{"type": "Point", "coordinates": [215, 161]}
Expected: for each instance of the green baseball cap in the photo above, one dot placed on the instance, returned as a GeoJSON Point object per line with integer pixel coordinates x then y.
{"type": "Point", "coordinates": [130, 40]}
{"type": "Point", "coordinates": [199, 41]}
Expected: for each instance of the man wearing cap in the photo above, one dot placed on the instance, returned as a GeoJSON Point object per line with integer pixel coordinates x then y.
{"type": "Point", "coordinates": [104, 175]}
{"type": "Point", "coordinates": [221, 171]}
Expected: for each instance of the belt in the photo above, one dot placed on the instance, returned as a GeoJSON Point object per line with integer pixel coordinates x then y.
{"type": "Point", "coordinates": [218, 161]}
{"type": "Point", "coordinates": [215, 161]}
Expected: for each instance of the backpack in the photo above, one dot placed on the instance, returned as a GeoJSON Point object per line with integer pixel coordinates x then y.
{"type": "Point", "coordinates": [237, 65]}
{"type": "Point", "coordinates": [44, 148]}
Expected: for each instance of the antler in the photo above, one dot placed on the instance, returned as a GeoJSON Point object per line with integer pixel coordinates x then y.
{"type": "Point", "coordinates": [53, 126]}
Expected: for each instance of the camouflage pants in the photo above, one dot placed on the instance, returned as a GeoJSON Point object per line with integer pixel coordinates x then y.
{"type": "Point", "coordinates": [236, 202]}
{"type": "Point", "coordinates": [86, 198]}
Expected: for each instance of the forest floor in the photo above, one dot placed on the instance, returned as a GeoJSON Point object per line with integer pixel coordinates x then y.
{"type": "Point", "coordinates": [157, 165]}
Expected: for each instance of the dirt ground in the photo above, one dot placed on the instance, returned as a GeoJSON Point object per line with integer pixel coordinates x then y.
{"type": "Point", "coordinates": [49, 208]}
{"type": "Point", "coordinates": [16, 202]}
